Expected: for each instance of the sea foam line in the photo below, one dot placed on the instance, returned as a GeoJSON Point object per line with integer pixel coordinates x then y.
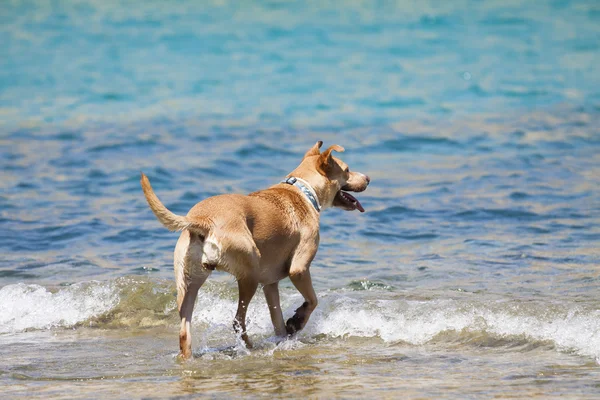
{"type": "Point", "coordinates": [26, 306]}
{"type": "Point", "coordinates": [570, 327]}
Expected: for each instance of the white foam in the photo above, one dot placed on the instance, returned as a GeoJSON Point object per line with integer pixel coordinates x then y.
{"type": "Point", "coordinates": [217, 312]}
{"type": "Point", "coordinates": [576, 330]}
{"type": "Point", "coordinates": [570, 328]}
{"type": "Point", "coordinates": [25, 306]}
{"type": "Point", "coordinates": [392, 321]}
{"type": "Point", "coordinates": [416, 322]}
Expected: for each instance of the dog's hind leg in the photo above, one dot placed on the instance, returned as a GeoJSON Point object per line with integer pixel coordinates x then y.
{"type": "Point", "coordinates": [189, 276]}
{"type": "Point", "coordinates": [241, 258]}
{"type": "Point", "coordinates": [247, 287]}
{"type": "Point", "coordinates": [186, 309]}
{"type": "Point", "coordinates": [272, 295]}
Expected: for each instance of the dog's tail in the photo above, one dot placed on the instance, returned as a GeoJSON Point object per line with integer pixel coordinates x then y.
{"type": "Point", "coordinates": [172, 221]}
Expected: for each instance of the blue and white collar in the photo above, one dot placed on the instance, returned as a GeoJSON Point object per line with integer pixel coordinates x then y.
{"type": "Point", "coordinates": [306, 189]}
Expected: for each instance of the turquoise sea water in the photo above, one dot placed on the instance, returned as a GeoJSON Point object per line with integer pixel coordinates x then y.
{"type": "Point", "coordinates": [474, 271]}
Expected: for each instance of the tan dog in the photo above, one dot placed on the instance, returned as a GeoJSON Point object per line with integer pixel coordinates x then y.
{"type": "Point", "coordinates": [260, 238]}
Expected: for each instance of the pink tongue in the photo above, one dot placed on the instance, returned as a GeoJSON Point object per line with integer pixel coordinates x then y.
{"type": "Point", "coordinates": [359, 206]}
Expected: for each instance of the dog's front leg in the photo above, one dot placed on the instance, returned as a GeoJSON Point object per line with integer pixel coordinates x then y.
{"type": "Point", "coordinates": [272, 295]}
{"type": "Point", "coordinates": [303, 283]}
{"type": "Point", "coordinates": [247, 287]}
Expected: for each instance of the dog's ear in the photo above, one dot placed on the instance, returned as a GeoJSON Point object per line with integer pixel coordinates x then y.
{"type": "Point", "coordinates": [326, 160]}
{"type": "Point", "coordinates": [314, 151]}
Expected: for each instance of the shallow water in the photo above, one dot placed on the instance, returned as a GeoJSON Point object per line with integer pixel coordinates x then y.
{"type": "Point", "coordinates": [473, 272]}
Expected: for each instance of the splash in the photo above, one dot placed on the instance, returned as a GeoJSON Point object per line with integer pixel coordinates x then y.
{"type": "Point", "coordinates": [569, 328]}
{"type": "Point", "coordinates": [25, 307]}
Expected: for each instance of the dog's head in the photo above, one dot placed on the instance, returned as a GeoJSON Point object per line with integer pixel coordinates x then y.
{"type": "Point", "coordinates": [331, 178]}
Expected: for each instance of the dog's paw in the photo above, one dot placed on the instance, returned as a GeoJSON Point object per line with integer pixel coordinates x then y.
{"type": "Point", "coordinates": [297, 322]}
{"type": "Point", "coordinates": [293, 325]}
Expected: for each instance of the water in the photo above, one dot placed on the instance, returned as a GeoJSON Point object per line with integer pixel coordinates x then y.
{"type": "Point", "coordinates": [473, 273]}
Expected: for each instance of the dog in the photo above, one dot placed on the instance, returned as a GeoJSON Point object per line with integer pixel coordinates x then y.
{"type": "Point", "coordinates": [260, 238]}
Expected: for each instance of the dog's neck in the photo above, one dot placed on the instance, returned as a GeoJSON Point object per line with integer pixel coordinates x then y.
{"type": "Point", "coordinates": [319, 185]}
{"type": "Point", "coordinates": [306, 189]}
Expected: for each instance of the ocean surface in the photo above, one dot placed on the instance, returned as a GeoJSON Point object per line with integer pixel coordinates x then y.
{"type": "Point", "coordinates": [473, 273]}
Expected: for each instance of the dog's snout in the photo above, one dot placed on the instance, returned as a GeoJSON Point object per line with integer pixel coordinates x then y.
{"type": "Point", "coordinates": [366, 178]}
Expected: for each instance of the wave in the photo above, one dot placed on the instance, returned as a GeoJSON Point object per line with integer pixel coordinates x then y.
{"type": "Point", "coordinates": [566, 327]}
{"type": "Point", "coordinates": [366, 310]}
{"type": "Point", "coordinates": [26, 307]}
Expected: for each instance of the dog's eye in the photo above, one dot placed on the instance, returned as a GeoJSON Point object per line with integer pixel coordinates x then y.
{"type": "Point", "coordinates": [347, 170]}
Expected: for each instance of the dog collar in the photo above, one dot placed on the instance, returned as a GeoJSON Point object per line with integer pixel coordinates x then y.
{"type": "Point", "coordinates": [306, 189]}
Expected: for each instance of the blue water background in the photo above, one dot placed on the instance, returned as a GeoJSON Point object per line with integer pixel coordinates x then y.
{"type": "Point", "coordinates": [477, 122]}
{"type": "Point", "coordinates": [283, 62]}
